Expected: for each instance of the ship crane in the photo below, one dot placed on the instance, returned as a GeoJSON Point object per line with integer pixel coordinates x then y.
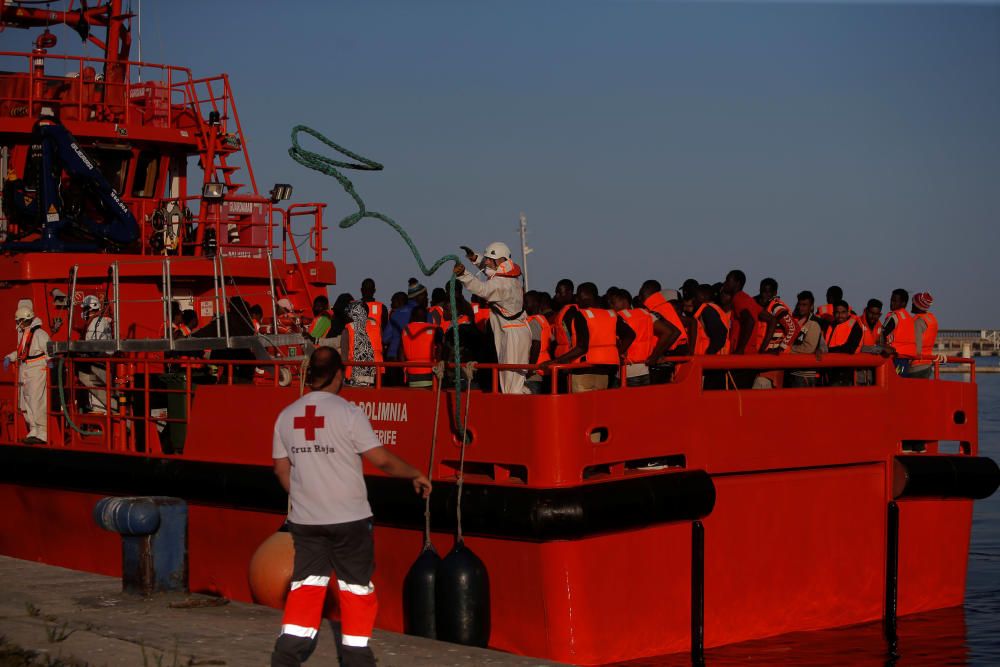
{"type": "Point", "coordinates": [61, 152]}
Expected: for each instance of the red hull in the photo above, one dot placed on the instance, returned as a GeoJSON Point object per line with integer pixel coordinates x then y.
{"type": "Point", "coordinates": [796, 540]}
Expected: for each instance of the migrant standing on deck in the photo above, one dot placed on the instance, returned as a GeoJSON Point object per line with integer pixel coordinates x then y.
{"type": "Point", "coordinates": [31, 357]}
{"type": "Point", "coordinates": [318, 444]}
{"type": "Point", "coordinates": [502, 289]}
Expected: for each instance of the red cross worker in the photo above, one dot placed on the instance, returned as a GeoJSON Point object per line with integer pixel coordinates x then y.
{"type": "Point", "coordinates": [319, 442]}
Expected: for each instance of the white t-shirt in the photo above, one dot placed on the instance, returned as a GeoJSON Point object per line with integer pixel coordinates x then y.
{"type": "Point", "coordinates": [323, 435]}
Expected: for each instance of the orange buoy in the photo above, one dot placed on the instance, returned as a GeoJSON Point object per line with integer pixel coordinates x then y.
{"type": "Point", "coordinates": [271, 570]}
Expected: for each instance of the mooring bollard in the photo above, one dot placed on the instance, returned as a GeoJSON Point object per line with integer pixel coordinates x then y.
{"type": "Point", "coordinates": [154, 541]}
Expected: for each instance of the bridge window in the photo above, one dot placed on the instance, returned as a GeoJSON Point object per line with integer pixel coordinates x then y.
{"type": "Point", "coordinates": [146, 171]}
{"type": "Point", "coordinates": [113, 165]}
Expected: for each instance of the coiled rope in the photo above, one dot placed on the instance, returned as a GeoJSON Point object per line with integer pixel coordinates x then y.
{"type": "Point", "coordinates": [331, 167]}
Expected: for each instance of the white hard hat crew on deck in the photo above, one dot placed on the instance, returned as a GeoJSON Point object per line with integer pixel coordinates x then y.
{"type": "Point", "coordinates": [505, 294]}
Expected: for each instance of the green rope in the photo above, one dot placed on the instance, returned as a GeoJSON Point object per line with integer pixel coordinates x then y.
{"type": "Point", "coordinates": [329, 166]}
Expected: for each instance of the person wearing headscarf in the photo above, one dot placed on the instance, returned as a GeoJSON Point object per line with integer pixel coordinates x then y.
{"type": "Point", "coordinates": [359, 343]}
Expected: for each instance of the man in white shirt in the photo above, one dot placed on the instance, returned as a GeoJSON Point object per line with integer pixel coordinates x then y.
{"type": "Point", "coordinates": [319, 441]}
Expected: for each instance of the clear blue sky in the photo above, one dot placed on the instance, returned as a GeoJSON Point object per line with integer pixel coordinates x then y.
{"type": "Point", "coordinates": [846, 143]}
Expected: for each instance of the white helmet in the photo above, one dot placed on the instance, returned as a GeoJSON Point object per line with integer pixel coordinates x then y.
{"type": "Point", "coordinates": [497, 250]}
{"type": "Point", "coordinates": [90, 302]}
{"type": "Point", "coordinates": [23, 313]}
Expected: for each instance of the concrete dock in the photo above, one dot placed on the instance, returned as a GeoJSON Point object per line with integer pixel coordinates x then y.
{"type": "Point", "coordinates": [52, 616]}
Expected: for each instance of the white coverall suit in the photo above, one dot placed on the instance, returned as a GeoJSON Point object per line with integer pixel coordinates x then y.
{"type": "Point", "coordinates": [503, 291]}
{"type": "Point", "coordinates": [32, 378]}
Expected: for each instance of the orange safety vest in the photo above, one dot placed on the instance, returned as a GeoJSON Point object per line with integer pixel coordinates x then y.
{"type": "Point", "coordinates": [903, 337]}
{"type": "Point", "coordinates": [371, 329]}
{"type": "Point", "coordinates": [603, 348]}
{"type": "Point", "coordinates": [641, 322]}
{"type": "Point", "coordinates": [437, 314]}
{"type": "Point", "coordinates": [869, 335]}
{"type": "Point", "coordinates": [930, 335]}
{"type": "Point", "coordinates": [545, 338]}
{"type": "Point", "coordinates": [825, 312]}
{"type": "Point", "coordinates": [24, 345]}
{"type": "Point", "coordinates": [838, 334]}
{"type": "Point", "coordinates": [658, 304]}
{"type": "Point", "coordinates": [418, 345]}
{"type": "Point", "coordinates": [564, 338]}
{"type": "Point", "coordinates": [186, 331]}
{"type": "Point", "coordinates": [256, 325]}
{"type": "Point", "coordinates": [702, 342]}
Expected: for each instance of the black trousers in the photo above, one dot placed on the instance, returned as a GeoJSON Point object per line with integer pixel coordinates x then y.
{"type": "Point", "coordinates": [347, 552]}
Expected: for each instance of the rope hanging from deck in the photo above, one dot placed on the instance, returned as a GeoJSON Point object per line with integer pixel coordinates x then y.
{"type": "Point", "coordinates": [331, 167]}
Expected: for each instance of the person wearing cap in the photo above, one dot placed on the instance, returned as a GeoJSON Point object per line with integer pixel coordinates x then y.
{"type": "Point", "coordinates": [97, 327]}
{"type": "Point", "coordinates": [925, 328]}
{"type": "Point", "coordinates": [31, 357]}
{"type": "Point", "coordinates": [504, 293]}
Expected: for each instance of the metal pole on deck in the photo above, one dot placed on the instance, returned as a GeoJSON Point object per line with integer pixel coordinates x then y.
{"type": "Point", "coordinates": [72, 305]}
{"type": "Point", "coordinates": [169, 324]}
{"type": "Point", "coordinates": [270, 273]}
{"type": "Point", "coordinates": [215, 278]}
{"type": "Point", "coordinates": [225, 301]}
{"type": "Point", "coordinates": [525, 250]}
{"type": "Point", "coordinates": [116, 309]}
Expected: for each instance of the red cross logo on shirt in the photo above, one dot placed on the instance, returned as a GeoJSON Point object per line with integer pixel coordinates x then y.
{"type": "Point", "coordinates": [309, 422]}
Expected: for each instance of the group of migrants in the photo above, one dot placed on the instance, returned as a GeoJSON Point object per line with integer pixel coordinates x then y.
{"type": "Point", "coordinates": [615, 337]}
{"type": "Point", "coordinates": [596, 340]}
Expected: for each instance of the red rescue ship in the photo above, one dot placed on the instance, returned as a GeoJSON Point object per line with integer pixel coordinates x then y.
{"type": "Point", "coordinates": [858, 507]}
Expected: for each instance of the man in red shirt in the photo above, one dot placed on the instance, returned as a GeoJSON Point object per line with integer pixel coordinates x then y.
{"type": "Point", "coordinates": [746, 311]}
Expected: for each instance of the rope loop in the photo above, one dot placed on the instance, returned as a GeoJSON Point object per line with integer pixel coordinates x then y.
{"type": "Point", "coordinates": [330, 167]}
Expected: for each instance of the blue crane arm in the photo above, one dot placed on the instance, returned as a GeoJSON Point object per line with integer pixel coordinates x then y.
{"type": "Point", "coordinates": [121, 227]}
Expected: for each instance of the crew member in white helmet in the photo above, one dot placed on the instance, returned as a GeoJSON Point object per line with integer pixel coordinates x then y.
{"type": "Point", "coordinates": [505, 294]}
{"type": "Point", "coordinates": [31, 357]}
{"type": "Point", "coordinates": [98, 327]}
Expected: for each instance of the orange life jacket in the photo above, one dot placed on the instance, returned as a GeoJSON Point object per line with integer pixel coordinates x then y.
{"type": "Point", "coordinates": [24, 345]}
{"type": "Point", "coordinates": [437, 314]}
{"type": "Point", "coordinates": [825, 312]}
{"type": "Point", "coordinates": [375, 311]}
{"type": "Point", "coordinates": [545, 337]}
{"type": "Point", "coordinates": [641, 322]}
{"type": "Point", "coordinates": [658, 304]}
{"type": "Point", "coordinates": [837, 334]}
{"type": "Point", "coordinates": [928, 338]}
{"type": "Point", "coordinates": [903, 337]}
{"type": "Point", "coordinates": [185, 330]}
{"type": "Point", "coordinates": [371, 329]}
{"type": "Point", "coordinates": [564, 337]}
{"type": "Point", "coordinates": [702, 342]}
{"type": "Point", "coordinates": [869, 335]}
{"type": "Point", "coordinates": [760, 328]}
{"type": "Point", "coordinates": [601, 324]}
{"type": "Point", "coordinates": [418, 345]}
{"type": "Point", "coordinates": [446, 324]}
{"type": "Point", "coordinates": [256, 325]}
{"type": "Point", "coordinates": [480, 315]}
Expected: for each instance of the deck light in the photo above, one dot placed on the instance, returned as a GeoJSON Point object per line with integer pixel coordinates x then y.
{"type": "Point", "coordinates": [280, 192]}
{"type": "Point", "coordinates": [213, 191]}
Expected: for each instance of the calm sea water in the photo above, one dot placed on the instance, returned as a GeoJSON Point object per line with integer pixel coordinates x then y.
{"type": "Point", "coordinates": [968, 635]}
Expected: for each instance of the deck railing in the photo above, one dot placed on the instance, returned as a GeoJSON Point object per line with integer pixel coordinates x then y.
{"type": "Point", "coordinates": [148, 401]}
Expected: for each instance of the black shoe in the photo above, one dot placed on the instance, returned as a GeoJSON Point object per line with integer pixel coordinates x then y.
{"type": "Point", "coordinates": [32, 440]}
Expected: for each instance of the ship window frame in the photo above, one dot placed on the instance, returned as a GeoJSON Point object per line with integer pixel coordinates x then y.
{"type": "Point", "coordinates": [146, 173]}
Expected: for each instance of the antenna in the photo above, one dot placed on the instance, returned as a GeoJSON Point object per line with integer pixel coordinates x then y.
{"type": "Point", "coordinates": [525, 250]}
